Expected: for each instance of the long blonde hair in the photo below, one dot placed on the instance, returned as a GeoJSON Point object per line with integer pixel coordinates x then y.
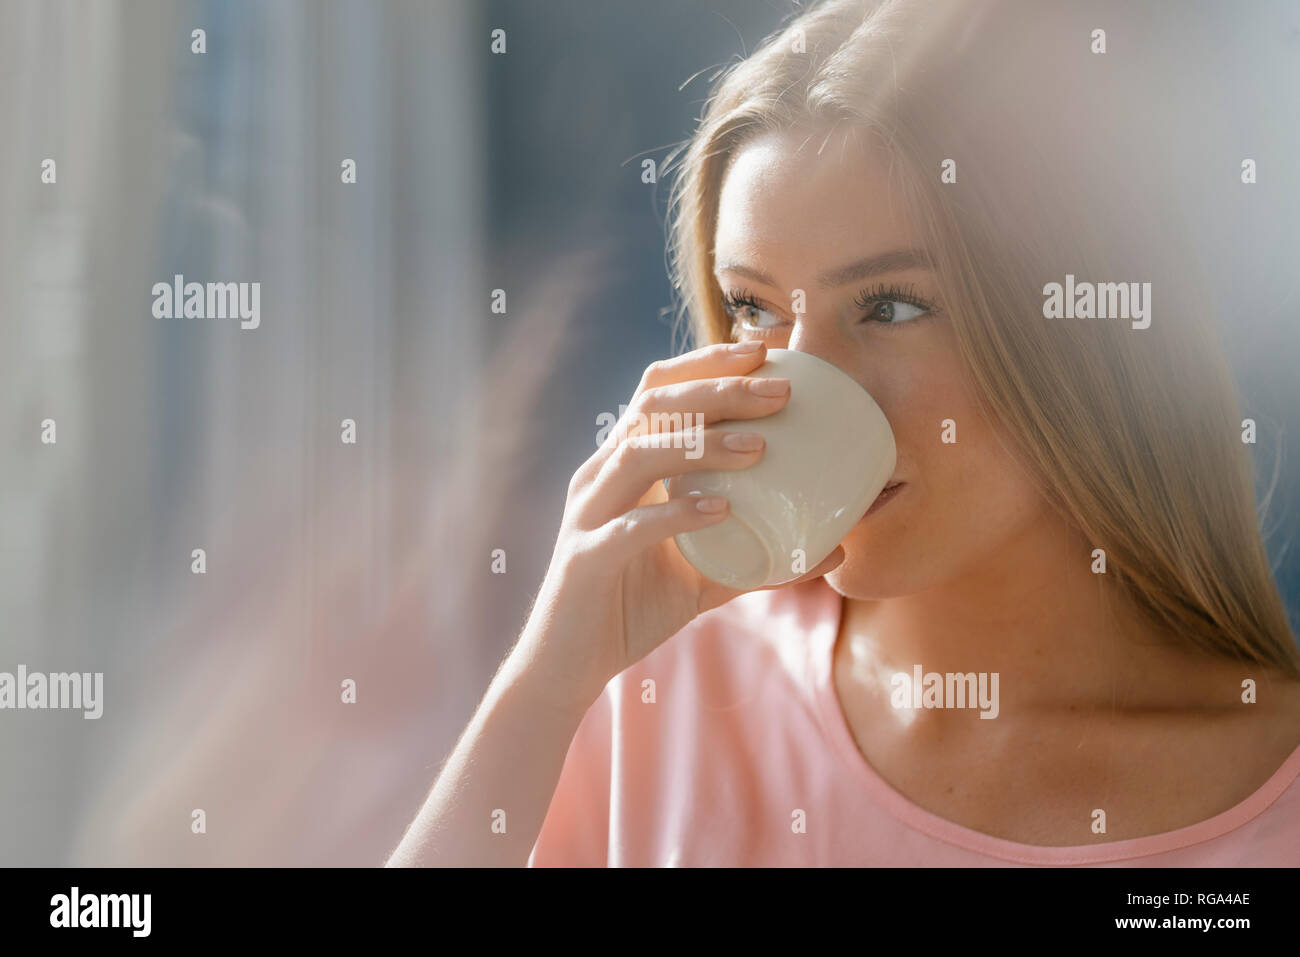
{"type": "Point", "coordinates": [1134, 433]}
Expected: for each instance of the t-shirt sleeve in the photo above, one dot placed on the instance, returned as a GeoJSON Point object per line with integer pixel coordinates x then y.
{"type": "Point", "coordinates": [575, 832]}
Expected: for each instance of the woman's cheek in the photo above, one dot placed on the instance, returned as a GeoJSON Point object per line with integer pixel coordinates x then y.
{"type": "Point", "coordinates": [922, 423]}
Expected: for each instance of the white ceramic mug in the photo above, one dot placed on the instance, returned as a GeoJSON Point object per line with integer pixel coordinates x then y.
{"type": "Point", "coordinates": [829, 451]}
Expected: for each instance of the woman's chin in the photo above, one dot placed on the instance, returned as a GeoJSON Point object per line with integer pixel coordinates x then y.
{"type": "Point", "coordinates": [853, 579]}
{"type": "Point", "coordinates": [879, 564]}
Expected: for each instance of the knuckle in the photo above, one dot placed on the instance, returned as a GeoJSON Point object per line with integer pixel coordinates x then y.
{"type": "Point", "coordinates": [652, 398]}
{"type": "Point", "coordinates": [583, 475]}
{"type": "Point", "coordinates": [625, 524]}
{"type": "Point", "coordinates": [654, 373]}
{"type": "Point", "coordinates": [625, 453]}
{"type": "Point", "coordinates": [635, 421]}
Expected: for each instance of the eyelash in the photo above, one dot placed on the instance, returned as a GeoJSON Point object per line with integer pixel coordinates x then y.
{"type": "Point", "coordinates": [891, 293]}
{"type": "Point", "coordinates": [736, 299]}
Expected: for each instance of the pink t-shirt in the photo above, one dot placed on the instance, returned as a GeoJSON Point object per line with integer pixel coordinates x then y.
{"type": "Point", "coordinates": [746, 728]}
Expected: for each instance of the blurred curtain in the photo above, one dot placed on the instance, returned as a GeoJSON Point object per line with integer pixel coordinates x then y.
{"type": "Point", "coordinates": [324, 559]}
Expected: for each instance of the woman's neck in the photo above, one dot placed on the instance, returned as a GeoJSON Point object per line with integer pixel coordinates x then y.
{"type": "Point", "coordinates": [1058, 635]}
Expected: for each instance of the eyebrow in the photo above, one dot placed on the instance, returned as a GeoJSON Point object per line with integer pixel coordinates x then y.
{"type": "Point", "coordinates": [893, 261]}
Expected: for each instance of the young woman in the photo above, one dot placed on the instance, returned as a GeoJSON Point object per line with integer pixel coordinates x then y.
{"type": "Point", "coordinates": [1072, 509]}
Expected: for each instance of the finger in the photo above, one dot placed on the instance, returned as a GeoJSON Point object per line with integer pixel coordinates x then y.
{"type": "Point", "coordinates": [634, 531]}
{"type": "Point", "coordinates": [713, 361]}
{"type": "Point", "coordinates": [685, 405]}
{"type": "Point", "coordinates": [643, 460]}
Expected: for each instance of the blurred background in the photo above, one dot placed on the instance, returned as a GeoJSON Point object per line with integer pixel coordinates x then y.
{"type": "Point", "coordinates": [475, 171]}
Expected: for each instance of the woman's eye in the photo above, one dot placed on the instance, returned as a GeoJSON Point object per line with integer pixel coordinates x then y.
{"type": "Point", "coordinates": [893, 311]}
{"type": "Point", "coordinates": [747, 315]}
{"type": "Point", "coordinates": [754, 318]}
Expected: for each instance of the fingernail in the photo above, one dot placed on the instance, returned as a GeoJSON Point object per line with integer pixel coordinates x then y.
{"type": "Point", "coordinates": [743, 441]}
{"type": "Point", "coordinates": [711, 503]}
{"type": "Point", "coordinates": [743, 348]}
{"type": "Point", "coordinates": [769, 387]}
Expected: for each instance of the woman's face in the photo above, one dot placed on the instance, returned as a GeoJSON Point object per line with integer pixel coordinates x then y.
{"type": "Point", "coordinates": [831, 225]}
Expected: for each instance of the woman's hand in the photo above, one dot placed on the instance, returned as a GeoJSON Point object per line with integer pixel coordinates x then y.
{"type": "Point", "coordinates": [617, 586]}
{"type": "Point", "coordinates": [615, 589]}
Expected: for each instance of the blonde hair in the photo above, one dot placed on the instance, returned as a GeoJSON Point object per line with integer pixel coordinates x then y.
{"type": "Point", "coordinates": [1134, 434]}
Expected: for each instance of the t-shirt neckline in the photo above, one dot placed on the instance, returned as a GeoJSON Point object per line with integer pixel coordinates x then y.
{"type": "Point", "coordinates": [821, 654]}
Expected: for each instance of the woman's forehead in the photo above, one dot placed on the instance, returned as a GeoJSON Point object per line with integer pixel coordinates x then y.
{"type": "Point", "coordinates": [785, 205]}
